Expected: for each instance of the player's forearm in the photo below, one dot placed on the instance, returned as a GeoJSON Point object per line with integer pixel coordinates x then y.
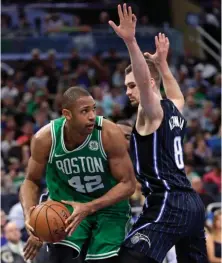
{"type": "Point", "coordinates": [140, 69]}
{"type": "Point", "coordinates": [29, 195]}
{"type": "Point", "coordinates": [171, 87]}
{"type": "Point", "coordinates": [121, 191]}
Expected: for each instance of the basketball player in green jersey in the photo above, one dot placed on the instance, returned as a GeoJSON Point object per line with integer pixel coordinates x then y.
{"type": "Point", "coordinates": [88, 166]}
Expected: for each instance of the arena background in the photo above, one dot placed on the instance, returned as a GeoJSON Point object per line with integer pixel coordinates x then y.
{"type": "Point", "coordinates": [48, 46]}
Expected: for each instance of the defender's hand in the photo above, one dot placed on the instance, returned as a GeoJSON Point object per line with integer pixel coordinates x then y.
{"type": "Point", "coordinates": [162, 47]}
{"type": "Point", "coordinates": [32, 248]}
{"type": "Point", "coordinates": [127, 27]}
{"type": "Point", "coordinates": [81, 210]}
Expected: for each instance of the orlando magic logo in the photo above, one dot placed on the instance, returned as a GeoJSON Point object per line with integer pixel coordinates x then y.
{"type": "Point", "coordinates": [140, 237]}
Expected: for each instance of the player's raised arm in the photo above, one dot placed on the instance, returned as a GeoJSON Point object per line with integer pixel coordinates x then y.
{"type": "Point", "coordinates": [126, 30]}
{"type": "Point", "coordinates": [170, 84]}
{"type": "Point", "coordinates": [120, 165]}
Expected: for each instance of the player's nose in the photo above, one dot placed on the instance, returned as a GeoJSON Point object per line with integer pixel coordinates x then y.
{"type": "Point", "coordinates": [128, 92]}
{"type": "Point", "coordinates": [92, 115]}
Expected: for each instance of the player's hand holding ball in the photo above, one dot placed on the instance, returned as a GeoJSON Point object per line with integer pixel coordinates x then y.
{"type": "Point", "coordinates": [81, 211]}
{"type": "Point", "coordinates": [45, 222]}
{"type": "Point", "coordinates": [33, 243]}
{"type": "Point", "coordinates": [127, 27]}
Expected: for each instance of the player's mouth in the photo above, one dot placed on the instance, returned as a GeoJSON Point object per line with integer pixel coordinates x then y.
{"type": "Point", "coordinates": [90, 126]}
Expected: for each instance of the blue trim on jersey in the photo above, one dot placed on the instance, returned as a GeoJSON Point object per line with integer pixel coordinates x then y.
{"type": "Point", "coordinates": [155, 160]}
{"type": "Point", "coordinates": [137, 162]}
{"type": "Point", "coordinates": [157, 220]}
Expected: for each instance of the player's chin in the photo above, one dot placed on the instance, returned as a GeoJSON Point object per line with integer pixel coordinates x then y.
{"type": "Point", "coordinates": [134, 103]}
{"type": "Point", "coordinates": [88, 130]}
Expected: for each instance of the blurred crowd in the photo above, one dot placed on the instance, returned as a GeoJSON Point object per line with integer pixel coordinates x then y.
{"type": "Point", "coordinates": [31, 97]}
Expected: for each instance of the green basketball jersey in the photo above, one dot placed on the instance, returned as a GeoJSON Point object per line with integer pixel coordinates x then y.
{"type": "Point", "coordinates": [82, 174]}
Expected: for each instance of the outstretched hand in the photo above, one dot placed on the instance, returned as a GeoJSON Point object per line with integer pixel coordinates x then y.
{"type": "Point", "coordinates": [162, 47]}
{"type": "Point", "coordinates": [127, 27]}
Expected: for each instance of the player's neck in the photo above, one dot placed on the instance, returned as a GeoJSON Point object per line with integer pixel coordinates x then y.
{"type": "Point", "coordinates": [71, 138]}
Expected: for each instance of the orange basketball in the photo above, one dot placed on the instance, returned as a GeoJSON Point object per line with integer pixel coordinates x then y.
{"type": "Point", "coordinates": [48, 221]}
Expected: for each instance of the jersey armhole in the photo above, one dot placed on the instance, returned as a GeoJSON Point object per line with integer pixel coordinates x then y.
{"type": "Point", "coordinates": [53, 142]}
{"type": "Point", "coordinates": [100, 138]}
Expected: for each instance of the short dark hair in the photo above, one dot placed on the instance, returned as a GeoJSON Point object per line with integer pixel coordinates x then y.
{"type": "Point", "coordinates": [153, 70]}
{"type": "Point", "coordinates": [71, 95]}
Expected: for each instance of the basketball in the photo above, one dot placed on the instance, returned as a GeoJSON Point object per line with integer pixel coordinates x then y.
{"type": "Point", "coordinates": [48, 221]}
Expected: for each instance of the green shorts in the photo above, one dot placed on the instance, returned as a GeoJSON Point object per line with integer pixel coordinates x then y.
{"type": "Point", "coordinates": [105, 233]}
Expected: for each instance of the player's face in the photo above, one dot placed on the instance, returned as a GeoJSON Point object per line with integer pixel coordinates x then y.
{"type": "Point", "coordinates": [82, 116]}
{"type": "Point", "coordinates": [131, 90]}
{"type": "Point", "coordinates": [127, 130]}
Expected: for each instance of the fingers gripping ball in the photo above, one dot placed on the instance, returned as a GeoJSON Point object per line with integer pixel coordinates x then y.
{"type": "Point", "coordinates": [48, 221]}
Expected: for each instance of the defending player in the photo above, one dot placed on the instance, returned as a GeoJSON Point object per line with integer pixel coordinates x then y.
{"type": "Point", "coordinates": [87, 162]}
{"type": "Point", "coordinates": [173, 213]}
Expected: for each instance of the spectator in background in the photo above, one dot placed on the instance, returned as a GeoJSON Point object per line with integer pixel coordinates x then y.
{"type": "Point", "coordinates": [14, 247]}
{"type": "Point", "coordinates": [214, 240]}
{"type": "Point", "coordinates": [190, 171]}
{"type": "Point", "coordinates": [214, 143]}
{"type": "Point", "coordinates": [31, 65]}
{"type": "Point", "coordinates": [213, 177]}
{"type": "Point", "coordinates": [3, 223]}
{"type": "Point", "coordinates": [74, 60]}
{"type": "Point", "coordinates": [6, 30]}
{"type": "Point", "coordinates": [197, 184]}
{"type": "Point", "coordinates": [8, 142]}
{"type": "Point", "coordinates": [203, 151]}
{"type": "Point", "coordinates": [41, 120]}
{"type": "Point", "coordinates": [23, 28]}
{"type": "Point", "coordinates": [112, 59]}
{"type": "Point", "coordinates": [118, 77]}
{"type": "Point", "coordinates": [214, 93]}
{"type": "Point", "coordinates": [16, 215]}
{"type": "Point", "coordinates": [53, 25]}
{"type": "Point", "coordinates": [189, 154]}
{"type": "Point", "coordinates": [9, 90]}
{"type": "Point", "coordinates": [193, 128]}
{"type": "Point", "coordinates": [206, 118]}
{"type": "Point", "coordinates": [39, 80]}
{"type": "Point", "coordinates": [191, 109]}
{"type": "Point", "coordinates": [103, 19]}
{"type": "Point", "coordinates": [103, 100]}
{"type": "Point", "coordinates": [34, 104]}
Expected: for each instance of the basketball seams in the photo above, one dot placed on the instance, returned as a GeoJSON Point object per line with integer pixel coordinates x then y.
{"type": "Point", "coordinates": [37, 218]}
{"type": "Point", "coordinates": [48, 223]}
{"type": "Point", "coordinates": [49, 206]}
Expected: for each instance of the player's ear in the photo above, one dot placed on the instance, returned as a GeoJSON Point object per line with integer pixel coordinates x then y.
{"type": "Point", "coordinates": [153, 83]}
{"type": "Point", "coordinates": [67, 114]}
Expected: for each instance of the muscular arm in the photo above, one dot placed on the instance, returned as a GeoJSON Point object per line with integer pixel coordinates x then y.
{"type": "Point", "coordinates": [148, 99]}
{"type": "Point", "coordinates": [171, 87]}
{"type": "Point", "coordinates": [30, 189]}
{"type": "Point", "coordinates": [120, 165]}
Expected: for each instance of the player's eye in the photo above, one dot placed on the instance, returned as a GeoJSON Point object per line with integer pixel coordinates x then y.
{"type": "Point", "coordinates": [84, 111]}
{"type": "Point", "coordinates": [127, 136]}
{"type": "Point", "coordinates": [132, 86]}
